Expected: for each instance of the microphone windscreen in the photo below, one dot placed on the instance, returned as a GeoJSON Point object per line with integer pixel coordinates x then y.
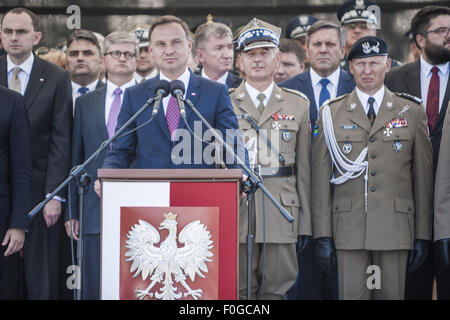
{"type": "Point", "coordinates": [176, 85]}
{"type": "Point", "coordinates": [163, 85]}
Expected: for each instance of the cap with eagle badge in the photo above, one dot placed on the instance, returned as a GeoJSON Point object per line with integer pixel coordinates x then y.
{"type": "Point", "coordinates": [297, 27]}
{"type": "Point", "coordinates": [141, 33]}
{"type": "Point", "coordinates": [368, 47]}
{"type": "Point", "coordinates": [357, 11]}
{"type": "Point", "coordinates": [258, 34]}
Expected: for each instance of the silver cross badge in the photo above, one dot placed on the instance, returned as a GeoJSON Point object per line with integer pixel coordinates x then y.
{"type": "Point", "coordinates": [387, 132]}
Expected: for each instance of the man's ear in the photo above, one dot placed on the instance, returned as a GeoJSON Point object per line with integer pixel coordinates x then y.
{"type": "Point", "coordinates": [420, 41]}
{"type": "Point", "coordinates": [37, 38]}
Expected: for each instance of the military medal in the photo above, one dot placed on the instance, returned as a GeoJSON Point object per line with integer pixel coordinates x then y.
{"type": "Point", "coordinates": [287, 136]}
{"type": "Point", "coordinates": [397, 146]}
{"type": "Point", "coordinates": [388, 132]}
{"type": "Point", "coordinates": [396, 123]}
{"type": "Point", "coordinates": [347, 148]}
{"type": "Point", "coordinates": [275, 123]}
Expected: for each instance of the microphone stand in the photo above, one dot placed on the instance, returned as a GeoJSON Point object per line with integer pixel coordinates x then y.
{"type": "Point", "coordinates": [83, 180]}
{"type": "Point", "coordinates": [251, 185]}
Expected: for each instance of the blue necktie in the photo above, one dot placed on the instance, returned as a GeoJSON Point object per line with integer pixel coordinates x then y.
{"type": "Point", "coordinates": [324, 93]}
{"type": "Point", "coordinates": [83, 90]}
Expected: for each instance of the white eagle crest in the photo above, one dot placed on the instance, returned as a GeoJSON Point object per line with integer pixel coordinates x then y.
{"type": "Point", "coordinates": [168, 263]}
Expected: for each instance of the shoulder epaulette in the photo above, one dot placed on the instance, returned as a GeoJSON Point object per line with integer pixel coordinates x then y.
{"type": "Point", "coordinates": [296, 92]}
{"type": "Point", "coordinates": [409, 97]}
{"type": "Point", "coordinates": [334, 99]}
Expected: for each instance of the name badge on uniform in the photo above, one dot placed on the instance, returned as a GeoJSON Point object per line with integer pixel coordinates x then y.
{"type": "Point", "coordinates": [348, 126]}
{"type": "Point", "coordinates": [347, 148]}
{"type": "Point", "coordinates": [286, 135]}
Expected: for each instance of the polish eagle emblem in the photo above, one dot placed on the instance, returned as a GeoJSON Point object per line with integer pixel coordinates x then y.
{"type": "Point", "coordinates": [168, 264]}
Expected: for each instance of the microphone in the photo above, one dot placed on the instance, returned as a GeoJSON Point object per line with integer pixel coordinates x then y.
{"type": "Point", "coordinates": [162, 89]}
{"type": "Point", "coordinates": [177, 90]}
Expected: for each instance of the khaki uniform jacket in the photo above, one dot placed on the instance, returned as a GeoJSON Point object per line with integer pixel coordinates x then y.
{"type": "Point", "coordinates": [292, 139]}
{"type": "Point", "coordinates": [442, 185]}
{"type": "Point", "coordinates": [399, 182]}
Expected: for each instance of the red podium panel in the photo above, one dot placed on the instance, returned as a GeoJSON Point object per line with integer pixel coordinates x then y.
{"type": "Point", "coordinates": [128, 193]}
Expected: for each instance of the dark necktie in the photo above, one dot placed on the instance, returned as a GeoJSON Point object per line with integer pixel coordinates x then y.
{"type": "Point", "coordinates": [371, 113]}
{"type": "Point", "coordinates": [324, 93]}
{"type": "Point", "coordinates": [83, 90]}
{"type": "Point", "coordinates": [172, 116]}
{"type": "Point", "coordinates": [433, 98]}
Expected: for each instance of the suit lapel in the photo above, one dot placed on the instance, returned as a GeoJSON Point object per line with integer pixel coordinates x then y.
{"type": "Point", "coordinates": [3, 72]}
{"type": "Point", "coordinates": [35, 83]}
{"type": "Point", "coordinates": [306, 82]}
{"type": "Point", "coordinates": [99, 112]}
{"type": "Point", "coordinates": [245, 103]}
{"type": "Point", "coordinates": [273, 105]}
{"type": "Point", "coordinates": [385, 113]}
{"type": "Point", "coordinates": [357, 114]}
{"type": "Point", "coordinates": [192, 94]}
{"type": "Point", "coordinates": [412, 79]}
{"type": "Point", "coordinates": [344, 84]}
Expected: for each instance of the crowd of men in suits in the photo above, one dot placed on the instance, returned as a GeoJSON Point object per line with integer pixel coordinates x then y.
{"type": "Point", "coordinates": [358, 142]}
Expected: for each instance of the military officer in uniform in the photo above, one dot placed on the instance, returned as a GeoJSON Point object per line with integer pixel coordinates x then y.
{"type": "Point", "coordinates": [275, 125]}
{"type": "Point", "coordinates": [358, 19]}
{"type": "Point", "coordinates": [372, 188]}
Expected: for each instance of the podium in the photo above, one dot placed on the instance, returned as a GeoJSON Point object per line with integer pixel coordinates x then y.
{"type": "Point", "coordinates": [169, 234]}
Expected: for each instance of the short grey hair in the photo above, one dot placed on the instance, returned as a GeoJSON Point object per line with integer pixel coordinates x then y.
{"type": "Point", "coordinates": [204, 32]}
{"type": "Point", "coordinates": [120, 37]}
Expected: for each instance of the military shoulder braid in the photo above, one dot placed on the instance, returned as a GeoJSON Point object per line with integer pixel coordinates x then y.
{"type": "Point", "coordinates": [296, 92]}
{"type": "Point", "coordinates": [409, 97]}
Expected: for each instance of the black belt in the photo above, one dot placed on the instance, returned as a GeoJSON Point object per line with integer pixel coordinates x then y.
{"type": "Point", "coordinates": [277, 171]}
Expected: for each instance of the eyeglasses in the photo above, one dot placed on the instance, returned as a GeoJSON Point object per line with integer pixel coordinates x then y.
{"type": "Point", "coordinates": [442, 31]}
{"type": "Point", "coordinates": [116, 54]}
{"type": "Point", "coordinates": [174, 44]}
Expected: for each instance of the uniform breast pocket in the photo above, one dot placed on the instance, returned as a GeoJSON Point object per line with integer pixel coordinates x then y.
{"type": "Point", "coordinates": [288, 136]}
{"type": "Point", "coordinates": [396, 144]}
{"type": "Point", "coordinates": [350, 143]}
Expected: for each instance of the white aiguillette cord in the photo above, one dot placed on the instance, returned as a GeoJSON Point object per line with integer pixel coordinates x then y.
{"type": "Point", "coordinates": [350, 169]}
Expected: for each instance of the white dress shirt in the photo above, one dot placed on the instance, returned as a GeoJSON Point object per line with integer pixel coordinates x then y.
{"type": "Point", "coordinates": [75, 86]}
{"type": "Point", "coordinates": [110, 87]}
{"type": "Point", "coordinates": [139, 78]}
{"type": "Point", "coordinates": [253, 93]}
{"type": "Point", "coordinates": [331, 86]}
{"type": "Point", "coordinates": [222, 79]}
{"type": "Point", "coordinates": [364, 97]}
{"type": "Point", "coordinates": [425, 77]}
{"type": "Point", "coordinates": [183, 78]}
{"type": "Point", "coordinates": [24, 74]}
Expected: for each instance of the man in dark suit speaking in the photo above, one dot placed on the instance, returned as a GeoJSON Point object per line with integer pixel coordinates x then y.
{"type": "Point", "coordinates": [152, 144]}
{"type": "Point", "coordinates": [15, 189]}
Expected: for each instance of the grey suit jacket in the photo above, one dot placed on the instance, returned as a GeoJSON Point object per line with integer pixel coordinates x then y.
{"type": "Point", "coordinates": [89, 132]}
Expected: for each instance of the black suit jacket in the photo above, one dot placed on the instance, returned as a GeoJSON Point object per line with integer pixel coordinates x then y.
{"type": "Point", "coordinates": [15, 163]}
{"type": "Point", "coordinates": [407, 79]}
{"type": "Point", "coordinates": [302, 82]}
{"type": "Point", "coordinates": [233, 81]}
{"type": "Point", "coordinates": [48, 100]}
{"type": "Point", "coordinates": [89, 132]}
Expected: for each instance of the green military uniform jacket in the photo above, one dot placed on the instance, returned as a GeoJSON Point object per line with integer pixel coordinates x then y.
{"type": "Point", "coordinates": [290, 135]}
{"type": "Point", "coordinates": [399, 176]}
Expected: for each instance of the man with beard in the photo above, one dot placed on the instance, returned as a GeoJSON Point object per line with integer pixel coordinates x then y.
{"type": "Point", "coordinates": [428, 79]}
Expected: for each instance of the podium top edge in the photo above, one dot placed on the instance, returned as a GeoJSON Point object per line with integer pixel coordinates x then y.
{"type": "Point", "coordinates": [170, 174]}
